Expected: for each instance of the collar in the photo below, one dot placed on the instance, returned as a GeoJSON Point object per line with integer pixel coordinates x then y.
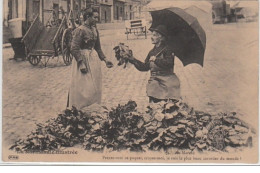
{"type": "Point", "coordinates": [156, 50]}
{"type": "Point", "coordinates": [86, 23]}
{"type": "Point", "coordinates": [162, 45]}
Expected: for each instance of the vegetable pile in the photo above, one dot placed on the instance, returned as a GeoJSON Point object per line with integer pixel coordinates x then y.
{"type": "Point", "coordinates": [163, 126]}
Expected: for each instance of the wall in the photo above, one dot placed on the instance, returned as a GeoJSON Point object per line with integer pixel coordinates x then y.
{"type": "Point", "coordinates": [48, 6]}
{"type": "Point", "coordinates": [30, 9]}
{"type": "Point", "coordinates": [5, 13]}
{"type": "Point", "coordinates": [76, 7]}
{"type": "Point", "coordinates": [105, 9]}
{"type": "Point", "coordinates": [18, 9]}
{"type": "Point", "coordinates": [119, 12]}
{"type": "Point", "coordinates": [132, 9]}
{"type": "Point", "coordinates": [22, 6]}
{"type": "Point", "coordinates": [128, 10]}
{"type": "Point", "coordinates": [22, 9]}
{"type": "Point", "coordinates": [64, 5]}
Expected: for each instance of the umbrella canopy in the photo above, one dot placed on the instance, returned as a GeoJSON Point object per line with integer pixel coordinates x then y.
{"type": "Point", "coordinates": [186, 37]}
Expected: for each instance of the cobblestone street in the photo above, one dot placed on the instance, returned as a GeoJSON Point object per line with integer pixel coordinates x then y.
{"type": "Point", "coordinates": [227, 82]}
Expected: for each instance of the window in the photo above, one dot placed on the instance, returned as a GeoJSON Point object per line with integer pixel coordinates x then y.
{"type": "Point", "coordinates": [13, 9]}
{"type": "Point", "coordinates": [56, 11]}
{"type": "Point", "coordinates": [105, 17]}
{"type": "Point", "coordinates": [117, 13]}
{"type": "Point", "coordinates": [10, 9]}
{"type": "Point", "coordinates": [16, 9]}
{"type": "Point", "coordinates": [121, 10]}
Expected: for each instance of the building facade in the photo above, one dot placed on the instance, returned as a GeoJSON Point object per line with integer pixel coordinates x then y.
{"type": "Point", "coordinates": [25, 11]}
{"type": "Point", "coordinates": [109, 10]}
{"type": "Point", "coordinates": [29, 9]}
{"type": "Point", "coordinates": [119, 10]}
{"type": "Point", "coordinates": [129, 6]}
{"type": "Point", "coordinates": [13, 9]}
{"type": "Point", "coordinates": [133, 9]}
{"type": "Point", "coordinates": [105, 13]}
{"type": "Point", "coordinates": [104, 7]}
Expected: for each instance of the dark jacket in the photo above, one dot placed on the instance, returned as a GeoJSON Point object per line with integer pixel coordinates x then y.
{"type": "Point", "coordinates": [164, 60]}
{"type": "Point", "coordinates": [163, 83]}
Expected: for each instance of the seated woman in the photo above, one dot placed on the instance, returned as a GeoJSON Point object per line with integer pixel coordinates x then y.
{"type": "Point", "coordinates": [163, 84]}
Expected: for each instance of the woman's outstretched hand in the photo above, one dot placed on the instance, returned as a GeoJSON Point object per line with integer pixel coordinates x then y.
{"type": "Point", "coordinates": [153, 58]}
{"type": "Point", "coordinates": [109, 64]}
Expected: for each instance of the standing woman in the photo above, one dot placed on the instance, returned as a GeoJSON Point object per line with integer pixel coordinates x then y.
{"type": "Point", "coordinates": [163, 84]}
{"type": "Point", "coordinates": [86, 82]}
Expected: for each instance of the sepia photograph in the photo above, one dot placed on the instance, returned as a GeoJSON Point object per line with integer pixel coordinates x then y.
{"type": "Point", "coordinates": [130, 81]}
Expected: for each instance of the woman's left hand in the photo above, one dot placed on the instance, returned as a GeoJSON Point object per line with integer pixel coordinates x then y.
{"type": "Point", "coordinates": [152, 58]}
{"type": "Point", "coordinates": [109, 64]}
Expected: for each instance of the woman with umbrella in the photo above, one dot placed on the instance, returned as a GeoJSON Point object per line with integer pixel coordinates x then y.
{"type": "Point", "coordinates": [163, 84]}
{"type": "Point", "coordinates": [174, 33]}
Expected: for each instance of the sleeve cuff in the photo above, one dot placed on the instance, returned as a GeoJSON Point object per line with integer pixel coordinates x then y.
{"type": "Point", "coordinates": [132, 61]}
{"type": "Point", "coordinates": [157, 62]}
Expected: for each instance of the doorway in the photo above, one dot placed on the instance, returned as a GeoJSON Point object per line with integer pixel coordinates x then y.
{"type": "Point", "coordinates": [55, 12]}
{"type": "Point", "coordinates": [105, 17]}
{"type": "Point", "coordinates": [117, 13]}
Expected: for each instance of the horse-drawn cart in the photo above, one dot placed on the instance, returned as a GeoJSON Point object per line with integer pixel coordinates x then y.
{"type": "Point", "coordinates": [45, 42]}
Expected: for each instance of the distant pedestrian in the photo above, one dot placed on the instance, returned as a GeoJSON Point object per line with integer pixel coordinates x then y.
{"type": "Point", "coordinates": [86, 81]}
{"type": "Point", "coordinates": [63, 13]}
{"type": "Point", "coordinates": [163, 84]}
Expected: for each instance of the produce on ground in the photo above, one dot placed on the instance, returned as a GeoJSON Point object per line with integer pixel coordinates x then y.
{"type": "Point", "coordinates": [163, 126]}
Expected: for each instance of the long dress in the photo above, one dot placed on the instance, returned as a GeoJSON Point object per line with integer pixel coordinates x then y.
{"type": "Point", "coordinates": [85, 89]}
{"type": "Point", "coordinates": [163, 83]}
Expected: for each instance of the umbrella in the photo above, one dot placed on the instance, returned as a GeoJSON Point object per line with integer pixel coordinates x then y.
{"type": "Point", "coordinates": [186, 37]}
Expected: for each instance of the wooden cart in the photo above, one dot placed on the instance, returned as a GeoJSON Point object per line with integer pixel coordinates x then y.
{"type": "Point", "coordinates": [45, 42]}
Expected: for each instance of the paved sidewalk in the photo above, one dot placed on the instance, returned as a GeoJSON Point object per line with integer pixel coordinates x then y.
{"type": "Point", "coordinates": [227, 82]}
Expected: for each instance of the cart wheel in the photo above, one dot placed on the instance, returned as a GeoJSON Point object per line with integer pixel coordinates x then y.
{"type": "Point", "coordinates": [65, 46]}
{"type": "Point", "coordinates": [34, 60]}
{"type": "Point", "coordinates": [26, 53]}
{"type": "Point", "coordinates": [67, 58]}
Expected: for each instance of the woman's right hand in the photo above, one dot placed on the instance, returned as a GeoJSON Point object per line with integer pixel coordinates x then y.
{"type": "Point", "coordinates": [83, 68]}
{"type": "Point", "coordinates": [109, 64]}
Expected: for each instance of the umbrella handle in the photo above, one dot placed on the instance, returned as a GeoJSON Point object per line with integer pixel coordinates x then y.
{"type": "Point", "coordinates": [160, 52]}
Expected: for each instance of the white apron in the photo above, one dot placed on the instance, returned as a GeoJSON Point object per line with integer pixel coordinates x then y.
{"type": "Point", "coordinates": [86, 89]}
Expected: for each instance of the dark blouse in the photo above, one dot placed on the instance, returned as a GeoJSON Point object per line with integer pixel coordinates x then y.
{"type": "Point", "coordinates": [164, 60]}
{"type": "Point", "coordinates": [86, 37]}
